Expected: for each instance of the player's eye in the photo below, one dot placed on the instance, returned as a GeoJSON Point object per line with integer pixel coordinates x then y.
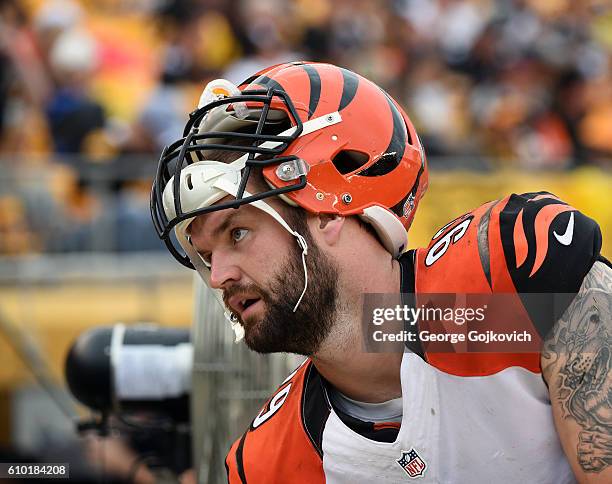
{"type": "Point", "coordinates": [238, 234]}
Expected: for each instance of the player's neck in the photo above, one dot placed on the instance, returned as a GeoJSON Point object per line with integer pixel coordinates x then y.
{"type": "Point", "coordinates": [341, 360]}
{"type": "Point", "coordinates": [368, 377]}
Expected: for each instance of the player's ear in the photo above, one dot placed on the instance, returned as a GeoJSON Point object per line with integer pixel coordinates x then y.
{"type": "Point", "coordinates": [329, 227]}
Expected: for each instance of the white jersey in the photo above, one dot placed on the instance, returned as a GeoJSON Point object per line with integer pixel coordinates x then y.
{"type": "Point", "coordinates": [454, 429]}
{"type": "Point", "coordinates": [496, 428]}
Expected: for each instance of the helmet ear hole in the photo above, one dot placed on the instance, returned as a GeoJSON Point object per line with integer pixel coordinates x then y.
{"type": "Point", "coordinates": [347, 161]}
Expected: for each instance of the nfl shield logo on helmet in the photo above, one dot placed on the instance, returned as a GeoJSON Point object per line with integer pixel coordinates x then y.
{"type": "Point", "coordinates": [408, 205]}
{"type": "Point", "coordinates": [412, 463]}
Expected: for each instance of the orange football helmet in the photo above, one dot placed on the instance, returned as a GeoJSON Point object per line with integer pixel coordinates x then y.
{"type": "Point", "coordinates": [328, 140]}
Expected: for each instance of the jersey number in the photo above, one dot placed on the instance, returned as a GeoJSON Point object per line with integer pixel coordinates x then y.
{"type": "Point", "coordinates": [275, 404]}
{"type": "Point", "coordinates": [451, 237]}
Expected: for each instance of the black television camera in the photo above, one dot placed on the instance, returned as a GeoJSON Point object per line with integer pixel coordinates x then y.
{"type": "Point", "coordinates": [137, 380]}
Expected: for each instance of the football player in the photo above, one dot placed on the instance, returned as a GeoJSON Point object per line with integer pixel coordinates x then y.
{"type": "Point", "coordinates": [291, 194]}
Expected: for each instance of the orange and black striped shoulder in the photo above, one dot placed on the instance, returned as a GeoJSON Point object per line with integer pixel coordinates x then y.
{"type": "Point", "coordinates": [533, 244]}
{"type": "Point", "coordinates": [549, 246]}
{"type": "Point", "coordinates": [286, 435]}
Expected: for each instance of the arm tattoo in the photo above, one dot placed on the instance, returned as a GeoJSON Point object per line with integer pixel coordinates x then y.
{"type": "Point", "coordinates": [579, 350]}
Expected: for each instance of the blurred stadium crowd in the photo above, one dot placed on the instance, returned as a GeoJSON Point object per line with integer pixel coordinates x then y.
{"type": "Point", "coordinates": [90, 91]}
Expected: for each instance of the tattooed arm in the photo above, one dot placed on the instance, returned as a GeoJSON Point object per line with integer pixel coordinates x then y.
{"type": "Point", "coordinates": [576, 365]}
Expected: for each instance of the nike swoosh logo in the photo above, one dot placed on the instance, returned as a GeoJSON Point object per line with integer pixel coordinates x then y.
{"type": "Point", "coordinates": [566, 238]}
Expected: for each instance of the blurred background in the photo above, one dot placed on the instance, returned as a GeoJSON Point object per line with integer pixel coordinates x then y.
{"type": "Point", "coordinates": [507, 95]}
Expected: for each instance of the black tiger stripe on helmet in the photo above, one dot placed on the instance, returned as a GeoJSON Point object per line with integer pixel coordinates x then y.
{"type": "Point", "coordinates": [315, 88]}
{"type": "Point", "coordinates": [394, 153]}
{"type": "Point", "coordinates": [350, 82]}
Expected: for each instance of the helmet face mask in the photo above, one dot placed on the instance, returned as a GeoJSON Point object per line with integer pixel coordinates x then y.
{"type": "Point", "coordinates": [324, 139]}
{"type": "Point", "coordinates": [192, 149]}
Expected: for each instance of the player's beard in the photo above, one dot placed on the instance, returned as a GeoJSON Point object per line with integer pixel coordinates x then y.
{"type": "Point", "coordinates": [282, 330]}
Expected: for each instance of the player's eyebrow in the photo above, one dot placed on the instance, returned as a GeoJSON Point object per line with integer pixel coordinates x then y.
{"type": "Point", "coordinates": [222, 227]}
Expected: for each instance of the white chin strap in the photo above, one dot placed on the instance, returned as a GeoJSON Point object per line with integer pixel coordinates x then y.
{"type": "Point", "coordinates": [232, 189]}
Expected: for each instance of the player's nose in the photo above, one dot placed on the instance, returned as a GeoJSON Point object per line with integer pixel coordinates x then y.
{"type": "Point", "coordinates": [223, 272]}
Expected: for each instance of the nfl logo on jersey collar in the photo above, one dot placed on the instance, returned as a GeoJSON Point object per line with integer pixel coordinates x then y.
{"type": "Point", "coordinates": [412, 463]}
